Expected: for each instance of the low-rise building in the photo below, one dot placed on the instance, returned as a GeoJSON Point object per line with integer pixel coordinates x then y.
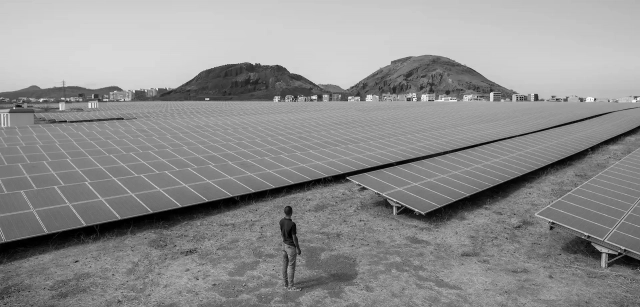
{"type": "Point", "coordinates": [518, 97]}
{"type": "Point", "coordinates": [288, 98]}
{"type": "Point", "coordinates": [475, 97]}
{"type": "Point", "coordinates": [574, 98]}
{"type": "Point", "coordinates": [389, 97]}
{"type": "Point", "coordinates": [152, 92]}
{"type": "Point", "coordinates": [325, 97]}
{"type": "Point", "coordinates": [336, 97]}
{"type": "Point", "coordinates": [533, 97]}
{"type": "Point", "coordinates": [121, 96]}
{"type": "Point", "coordinates": [276, 99]}
{"type": "Point", "coordinates": [372, 98]}
{"type": "Point", "coordinates": [313, 98]}
{"type": "Point", "coordinates": [495, 96]}
{"type": "Point", "coordinates": [302, 98]}
{"type": "Point", "coordinates": [590, 99]}
{"type": "Point", "coordinates": [350, 98]}
{"type": "Point", "coordinates": [628, 99]}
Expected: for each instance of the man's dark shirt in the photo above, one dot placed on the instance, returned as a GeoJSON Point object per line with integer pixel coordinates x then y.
{"type": "Point", "coordinates": [288, 230]}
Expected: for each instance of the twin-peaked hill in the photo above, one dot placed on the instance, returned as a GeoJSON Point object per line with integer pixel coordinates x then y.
{"type": "Point", "coordinates": [427, 74]}
{"type": "Point", "coordinates": [421, 74]}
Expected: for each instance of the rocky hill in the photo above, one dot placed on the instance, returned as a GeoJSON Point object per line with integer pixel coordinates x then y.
{"type": "Point", "coordinates": [244, 81]}
{"type": "Point", "coordinates": [332, 88]}
{"type": "Point", "coordinates": [57, 92]}
{"type": "Point", "coordinates": [427, 74]}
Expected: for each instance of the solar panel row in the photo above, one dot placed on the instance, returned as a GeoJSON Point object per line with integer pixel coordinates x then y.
{"type": "Point", "coordinates": [82, 116]}
{"type": "Point", "coordinates": [605, 207]}
{"type": "Point", "coordinates": [432, 183]}
{"type": "Point", "coordinates": [57, 177]}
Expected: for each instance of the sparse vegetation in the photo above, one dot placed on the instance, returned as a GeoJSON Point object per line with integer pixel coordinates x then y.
{"type": "Point", "coordinates": [487, 250]}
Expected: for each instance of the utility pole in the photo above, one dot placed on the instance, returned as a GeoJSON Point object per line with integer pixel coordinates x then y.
{"type": "Point", "coordinates": [64, 92]}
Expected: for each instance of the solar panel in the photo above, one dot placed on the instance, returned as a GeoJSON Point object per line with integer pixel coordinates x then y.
{"type": "Point", "coordinates": [173, 157]}
{"type": "Point", "coordinates": [605, 208]}
{"type": "Point", "coordinates": [429, 184]}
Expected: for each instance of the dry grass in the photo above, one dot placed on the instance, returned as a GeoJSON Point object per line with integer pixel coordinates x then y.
{"type": "Point", "coordinates": [487, 250]}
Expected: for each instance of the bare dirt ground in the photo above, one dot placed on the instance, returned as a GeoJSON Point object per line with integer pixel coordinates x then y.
{"type": "Point", "coordinates": [487, 250]}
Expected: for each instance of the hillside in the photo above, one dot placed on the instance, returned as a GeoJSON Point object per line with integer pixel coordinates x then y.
{"type": "Point", "coordinates": [244, 81]}
{"type": "Point", "coordinates": [332, 88]}
{"type": "Point", "coordinates": [427, 74]}
{"type": "Point", "coordinates": [57, 92]}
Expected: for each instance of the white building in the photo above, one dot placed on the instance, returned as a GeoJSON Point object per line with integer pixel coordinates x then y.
{"type": "Point", "coordinates": [590, 99]}
{"type": "Point", "coordinates": [350, 98]}
{"type": "Point", "coordinates": [288, 98]}
{"type": "Point", "coordinates": [495, 96]}
{"type": "Point", "coordinates": [518, 97]}
{"type": "Point", "coordinates": [325, 97]}
{"type": "Point", "coordinates": [372, 98]}
{"type": "Point", "coordinates": [533, 97]}
{"type": "Point", "coordinates": [276, 99]}
{"type": "Point", "coordinates": [314, 98]}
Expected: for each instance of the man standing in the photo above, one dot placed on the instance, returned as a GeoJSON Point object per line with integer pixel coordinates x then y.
{"type": "Point", "coordinates": [290, 249]}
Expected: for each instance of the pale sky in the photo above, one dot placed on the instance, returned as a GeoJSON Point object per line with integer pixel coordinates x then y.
{"type": "Point", "coordinates": [550, 47]}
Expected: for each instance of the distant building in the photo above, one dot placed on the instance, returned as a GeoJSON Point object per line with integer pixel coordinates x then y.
{"type": "Point", "coordinates": [430, 96]}
{"type": "Point", "coordinates": [441, 97]}
{"type": "Point", "coordinates": [533, 97]}
{"type": "Point", "coordinates": [628, 99]}
{"type": "Point", "coordinates": [121, 96]}
{"type": "Point", "coordinates": [372, 98]}
{"type": "Point", "coordinates": [152, 92]}
{"type": "Point", "coordinates": [356, 98]}
{"type": "Point", "coordinates": [412, 97]}
{"type": "Point", "coordinates": [313, 98]}
{"type": "Point", "coordinates": [350, 98]}
{"type": "Point", "coordinates": [276, 99]}
{"type": "Point", "coordinates": [336, 97]}
{"type": "Point", "coordinates": [590, 99]}
{"type": "Point", "coordinates": [389, 97]}
{"type": "Point", "coordinates": [475, 97]}
{"type": "Point", "coordinates": [574, 98]}
{"type": "Point", "coordinates": [326, 97]}
{"type": "Point", "coordinates": [556, 99]}
{"type": "Point", "coordinates": [518, 97]}
{"type": "Point", "coordinates": [288, 98]}
{"type": "Point", "coordinates": [302, 98]}
{"type": "Point", "coordinates": [495, 96]}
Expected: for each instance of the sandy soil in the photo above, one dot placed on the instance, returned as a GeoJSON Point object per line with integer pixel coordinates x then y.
{"type": "Point", "coordinates": [487, 250]}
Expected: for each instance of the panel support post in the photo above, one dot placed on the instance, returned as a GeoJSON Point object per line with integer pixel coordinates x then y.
{"type": "Point", "coordinates": [604, 255]}
{"type": "Point", "coordinates": [396, 206]}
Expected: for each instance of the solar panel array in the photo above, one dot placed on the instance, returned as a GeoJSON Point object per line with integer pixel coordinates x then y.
{"type": "Point", "coordinates": [82, 116]}
{"type": "Point", "coordinates": [65, 176]}
{"type": "Point", "coordinates": [429, 184]}
{"type": "Point", "coordinates": [605, 207]}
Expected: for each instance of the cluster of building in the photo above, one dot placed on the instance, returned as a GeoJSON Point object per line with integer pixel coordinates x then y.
{"type": "Point", "coordinates": [141, 94]}
{"type": "Point", "coordinates": [493, 96]}
{"type": "Point", "coordinates": [302, 98]}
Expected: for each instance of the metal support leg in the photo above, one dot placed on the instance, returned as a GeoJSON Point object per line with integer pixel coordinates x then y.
{"type": "Point", "coordinates": [604, 255]}
{"type": "Point", "coordinates": [396, 207]}
{"type": "Point", "coordinates": [604, 260]}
